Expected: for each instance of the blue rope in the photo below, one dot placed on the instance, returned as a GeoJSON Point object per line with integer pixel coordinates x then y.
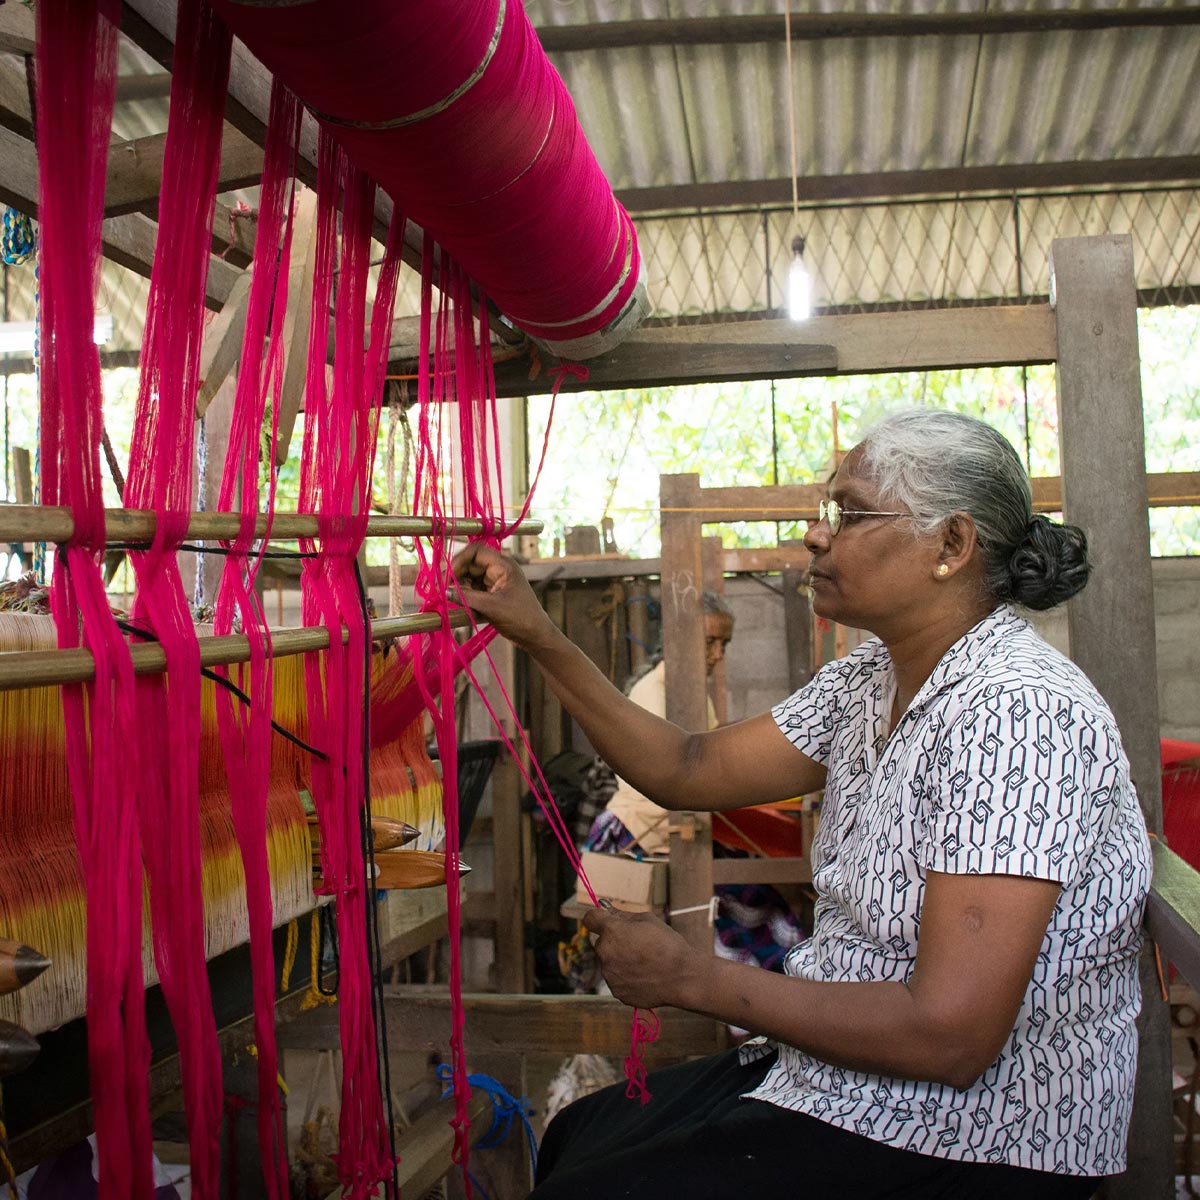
{"type": "Point", "coordinates": [504, 1108]}
{"type": "Point", "coordinates": [16, 240]}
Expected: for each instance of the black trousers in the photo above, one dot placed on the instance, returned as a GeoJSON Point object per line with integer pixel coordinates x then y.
{"type": "Point", "coordinates": [698, 1140]}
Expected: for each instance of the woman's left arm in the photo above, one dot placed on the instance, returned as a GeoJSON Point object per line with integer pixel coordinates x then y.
{"type": "Point", "coordinates": [979, 940]}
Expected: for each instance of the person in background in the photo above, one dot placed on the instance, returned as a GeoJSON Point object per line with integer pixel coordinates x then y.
{"type": "Point", "coordinates": [752, 923]}
{"type": "Point", "coordinates": [961, 1023]}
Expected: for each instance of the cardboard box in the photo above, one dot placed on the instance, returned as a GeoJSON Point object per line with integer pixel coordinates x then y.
{"type": "Point", "coordinates": [636, 885]}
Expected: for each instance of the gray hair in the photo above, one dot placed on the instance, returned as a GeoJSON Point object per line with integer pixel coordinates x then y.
{"type": "Point", "coordinates": [714, 603]}
{"type": "Point", "coordinates": [938, 463]}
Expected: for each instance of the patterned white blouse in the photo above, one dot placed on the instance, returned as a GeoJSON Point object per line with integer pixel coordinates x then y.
{"type": "Point", "coordinates": [1007, 762]}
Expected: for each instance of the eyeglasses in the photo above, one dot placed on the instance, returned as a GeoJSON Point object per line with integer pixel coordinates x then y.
{"type": "Point", "coordinates": [832, 512]}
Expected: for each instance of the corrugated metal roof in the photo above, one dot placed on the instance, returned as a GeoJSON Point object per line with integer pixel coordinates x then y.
{"type": "Point", "coordinates": [665, 115]}
{"type": "Point", "coordinates": [662, 116]}
{"type": "Point", "coordinates": [671, 116]}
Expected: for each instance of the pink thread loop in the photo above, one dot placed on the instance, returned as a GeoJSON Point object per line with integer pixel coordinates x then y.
{"type": "Point", "coordinates": [645, 1031]}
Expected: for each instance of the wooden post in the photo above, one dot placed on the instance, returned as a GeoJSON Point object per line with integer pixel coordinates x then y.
{"type": "Point", "coordinates": [797, 627]}
{"type": "Point", "coordinates": [1111, 622]}
{"type": "Point", "coordinates": [713, 554]}
{"type": "Point", "coordinates": [637, 619]}
{"type": "Point", "coordinates": [217, 420]}
{"type": "Point", "coordinates": [509, 908]}
{"type": "Point", "coordinates": [691, 885]}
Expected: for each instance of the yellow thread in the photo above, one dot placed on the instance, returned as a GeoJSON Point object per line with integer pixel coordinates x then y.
{"type": "Point", "coordinates": [314, 997]}
{"type": "Point", "coordinates": [289, 954]}
{"type": "Point", "coordinates": [6, 1166]}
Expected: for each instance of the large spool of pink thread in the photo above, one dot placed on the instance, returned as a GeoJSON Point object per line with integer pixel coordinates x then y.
{"type": "Point", "coordinates": [454, 109]}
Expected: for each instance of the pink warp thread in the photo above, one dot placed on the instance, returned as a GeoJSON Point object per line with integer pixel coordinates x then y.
{"type": "Point", "coordinates": [476, 138]}
{"type": "Point", "coordinates": [341, 424]}
{"type": "Point", "coordinates": [76, 81]}
{"type": "Point", "coordinates": [468, 381]}
{"type": "Point", "coordinates": [160, 478]}
{"type": "Point", "coordinates": [245, 731]}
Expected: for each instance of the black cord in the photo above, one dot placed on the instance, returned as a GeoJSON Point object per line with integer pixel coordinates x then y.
{"type": "Point", "coordinates": [229, 686]}
{"type": "Point", "coordinates": [374, 946]}
{"type": "Point", "coordinates": [226, 550]}
{"type": "Point", "coordinates": [327, 936]}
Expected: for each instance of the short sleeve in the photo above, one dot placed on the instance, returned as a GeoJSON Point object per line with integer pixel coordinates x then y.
{"type": "Point", "coordinates": [1018, 784]}
{"type": "Point", "coordinates": [809, 718]}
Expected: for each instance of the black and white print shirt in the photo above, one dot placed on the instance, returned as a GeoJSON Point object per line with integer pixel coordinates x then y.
{"type": "Point", "coordinates": [1007, 762]}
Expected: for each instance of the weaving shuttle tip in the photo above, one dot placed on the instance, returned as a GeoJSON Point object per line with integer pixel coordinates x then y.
{"type": "Point", "coordinates": [18, 1048]}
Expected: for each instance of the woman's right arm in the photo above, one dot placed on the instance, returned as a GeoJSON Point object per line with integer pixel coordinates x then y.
{"type": "Point", "coordinates": [751, 762]}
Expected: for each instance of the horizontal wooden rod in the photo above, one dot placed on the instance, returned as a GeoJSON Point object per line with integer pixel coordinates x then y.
{"type": "Point", "coordinates": [50, 668]}
{"type": "Point", "coordinates": [799, 501]}
{"type": "Point", "coordinates": [45, 523]}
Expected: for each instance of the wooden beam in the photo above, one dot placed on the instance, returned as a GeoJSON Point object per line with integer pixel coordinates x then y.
{"type": "Point", "coordinates": [127, 240]}
{"type": "Point", "coordinates": [690, 847]}
{"type": "Point", "coordinates": [222, 346]}
{"type": "Point", "coordinates": [933, 181]}
{"type": "Point", "coordinates": [1173, 912]}
{"type": "Point", "coordinates": [1103, 444]}
{"type": "Point", "coordinates": [1111, 622]}
{"type": "Point", "coordinates": [420, 1020]}
{"type": "Point", "coordinates": [134, 88]}
{"type": "Point", "coordinates": [912, 340]}
{"type": "Point", "coordinates": [822, 26]}
{"type": "Point", "coordinates": [298, 320]}
{"type": "Point", "coordinates": [18, 29]}
{"type": "Point", "coordinates": [135, 170]}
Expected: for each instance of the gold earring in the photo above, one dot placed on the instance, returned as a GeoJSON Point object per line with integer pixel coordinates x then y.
{"type": "Point", "coordinates": [943, 570]}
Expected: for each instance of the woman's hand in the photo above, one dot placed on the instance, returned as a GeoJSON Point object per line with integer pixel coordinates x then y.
{"type": "Point", "coordinates": [645, 962]}
{"type": "Point", "coordinates": [495, 587]}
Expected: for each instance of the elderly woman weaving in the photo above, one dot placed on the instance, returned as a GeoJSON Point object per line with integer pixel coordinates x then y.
{"type": "Point", "coordinates": [961, 1022]}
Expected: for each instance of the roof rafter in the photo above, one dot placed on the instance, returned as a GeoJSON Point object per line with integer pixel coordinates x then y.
{"type": "Point", "coordinates": [734, 30]}
{"type": "Point", "coordinates": [1019, 177]}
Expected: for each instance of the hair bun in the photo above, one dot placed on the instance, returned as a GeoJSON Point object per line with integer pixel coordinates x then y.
{"type": "Point", "coordinates": [1049, 566]}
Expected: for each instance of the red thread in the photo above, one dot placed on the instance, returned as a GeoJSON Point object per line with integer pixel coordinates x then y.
{"type": "Point", "coordinates": [644, 1032]}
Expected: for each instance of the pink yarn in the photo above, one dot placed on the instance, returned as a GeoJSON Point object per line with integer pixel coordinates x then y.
{"type": "Point", "coordinates": [76, 80]}
{"type": "Point", "coordinates": [496, 169]}
{"type": "Point", "coordinates": [160, 478]}
{"type": "Point", "coordinates": [245, 731]}
{"type": "Point", "coordinates": [464, 376]}
{"type": "Point", "coordinates": [339, 444]}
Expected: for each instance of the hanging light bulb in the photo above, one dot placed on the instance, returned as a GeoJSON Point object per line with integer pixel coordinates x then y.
{"type": "Point", "coordinates": [799, 284]}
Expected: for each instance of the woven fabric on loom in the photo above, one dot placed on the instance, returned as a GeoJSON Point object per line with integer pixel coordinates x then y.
{"type": "Point", "coordinates": [41, 882]}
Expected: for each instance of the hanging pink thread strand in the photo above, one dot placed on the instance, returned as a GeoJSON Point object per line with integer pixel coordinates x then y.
{"type": "Point", "coordinates": [160, 478]}
{"type": "Point", "coordinates": [339, 442]}
{"type": "Point", "coordinates": [76, 82]}
{"type": "Point", "coordinates": [245, 731]}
